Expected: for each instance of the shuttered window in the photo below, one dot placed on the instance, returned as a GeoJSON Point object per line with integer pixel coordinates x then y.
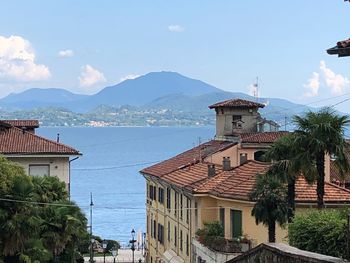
{"type": "Point", "coordinates": [236, 223]}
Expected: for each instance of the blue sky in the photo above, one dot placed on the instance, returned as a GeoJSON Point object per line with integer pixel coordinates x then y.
{"type": "Point", "coordinates": [84, 46]}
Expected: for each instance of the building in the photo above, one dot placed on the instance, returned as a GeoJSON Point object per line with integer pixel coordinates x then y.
{"type": "Point", "coordinates": [37, 155]}
{"type": "Point", "coordinates": [212, 182]}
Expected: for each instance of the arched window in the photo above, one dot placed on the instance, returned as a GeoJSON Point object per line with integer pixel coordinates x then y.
{"type": "Point", "coordinates": [258, 156]}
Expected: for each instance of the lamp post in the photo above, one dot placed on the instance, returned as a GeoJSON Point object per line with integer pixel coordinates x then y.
{"type": "Point", "coordinates": [104, 246]}
{"type": "Point", "coordinates": [114, 253]}
{"type": "Point", "coordinates": [91, 239]}
{"type": "Point", "coordinates": [132, 242]}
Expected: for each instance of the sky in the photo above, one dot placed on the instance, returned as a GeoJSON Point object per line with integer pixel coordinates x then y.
{"type": "Point", "coordinates": [84, 46]}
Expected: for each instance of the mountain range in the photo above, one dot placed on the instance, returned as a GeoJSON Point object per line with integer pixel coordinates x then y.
{"type": "Point", "coordinates": [155, 90]}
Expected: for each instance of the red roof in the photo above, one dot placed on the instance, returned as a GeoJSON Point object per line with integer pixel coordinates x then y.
{"type": "Point", "coordinates": [23, 123]}
{"type": "Point", "coordinates": [189, 157]}
{"type": "Point", "coordinates": [237, 103]}
{"type": "Point", "coordinates": [262, 137]}
{"type": "Point", "coordinates": [333, 193]}
{"type": "Point", "coordinates": [16, 141]}
{"type": "Point", "coordinates": [239, 182]}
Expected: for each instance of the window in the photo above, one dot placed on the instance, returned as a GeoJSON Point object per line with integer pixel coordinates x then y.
{"type": "Point", "coordinates": [154, 228]}
{"type": "Point", "coordinates": [161, 195]}
{"type": "Point", "coordinates": [237, 121]}
{"type": "Point", "coordinates": [181, 240]}
{"type": "Point", "coordinates": [222, 218]}
{"type": "Point", "coordinates": [196, 215]}
{"type": "Point", "coordinates": [39, 169]}
{"type": "Point", "coordinates": [176, 204]}
{"type": "Point", "coordinates": [154, 193]}
{"type": "Point", "coordinates": [259, 156]}
{"type": "Point", "coordinates": [181, 207]}
{"type": "Point", "coordinates": [147, 225]}
{"type": "Point", "coordinates": [161, 233]}
{"type": "Point", "coordinates": [168, 231]}
{"type": "Point", "coordinates": [168, 198]}
{"type": "Point", "coordinates": [151, 192]}
{"type": "Point", "coordinates": [243, 158]}
{"type": "Point", "coordinates": [187, 245]}
{"type": "Point", "coordinates": [236, 223]}
{"type": "Point", "coordinates": [175, 236]}
{"type": "Point", "coordinates": [188, 207]}
{"type": "Point", "coordinates": [151, 223]}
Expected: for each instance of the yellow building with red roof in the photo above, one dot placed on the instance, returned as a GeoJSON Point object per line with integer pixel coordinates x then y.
{"type": "Point", "coordinates": [212, 182]}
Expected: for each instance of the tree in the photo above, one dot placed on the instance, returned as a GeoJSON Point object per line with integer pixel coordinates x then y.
{"type": "Point", "coordinates": [320, 133]}
{"type": "Point", "coordinates": [37, 221]}
{"type": "Point", "coordinates": [269, 194]}
{"type": "Point", "coordinates": [287, 166]}
{"type": "Point", "coordinates": [320, 231]}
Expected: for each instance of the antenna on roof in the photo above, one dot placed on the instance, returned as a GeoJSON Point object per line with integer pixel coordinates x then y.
{"type": "Point", "coordinates": [256, 91]}
{"type": "Point", "coordinates": [58, 137]}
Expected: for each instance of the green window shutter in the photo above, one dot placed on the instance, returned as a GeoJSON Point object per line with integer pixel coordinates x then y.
{"type": "Point", "coordinates": [236, 223]}
{"type": "Point", "coordinates": [222, 218]}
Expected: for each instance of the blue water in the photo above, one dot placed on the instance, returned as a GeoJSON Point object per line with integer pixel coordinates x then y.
{"type": "Point", "coordinates": [112, 157]}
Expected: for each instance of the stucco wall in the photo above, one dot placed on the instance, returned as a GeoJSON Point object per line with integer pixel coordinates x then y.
{"type": "Point", "coordinates": [59, 166]}
{"type": "Point", "coordinates": [224, 120]}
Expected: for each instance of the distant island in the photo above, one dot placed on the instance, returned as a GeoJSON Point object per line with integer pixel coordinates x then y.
{"type": "Point", "coordinates": [154, 99]}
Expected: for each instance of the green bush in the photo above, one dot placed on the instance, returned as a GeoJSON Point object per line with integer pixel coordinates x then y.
{"type": "Point", "coordinates": [320, 231]}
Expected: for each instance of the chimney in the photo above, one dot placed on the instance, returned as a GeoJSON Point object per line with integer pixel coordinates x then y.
{"type": "Point", "coordinates": [211, 170]}
{"type": "Point", "coordinates": [226, 164]}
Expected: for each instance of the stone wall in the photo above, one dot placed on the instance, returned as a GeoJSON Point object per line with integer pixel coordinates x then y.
{"type": "Point", "coordinates": [282, 253]}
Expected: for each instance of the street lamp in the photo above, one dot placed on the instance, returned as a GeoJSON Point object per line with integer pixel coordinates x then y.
{"type": "Point", "coordinates": [132, 242]}
{"type": "Point", "coordinates": [114, 253]}
{"type": "Point", "coordinates": [92, 242]}
{"type": "Point", "coordinates": [104, 246]}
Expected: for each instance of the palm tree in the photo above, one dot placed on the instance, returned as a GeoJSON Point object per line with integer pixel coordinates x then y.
{"type": "Point", "coordinates": [287, 166]}
{"type": "Point", "coordinates": [320, 133]}
{"type": "Point", "coordinates": [269, 194]}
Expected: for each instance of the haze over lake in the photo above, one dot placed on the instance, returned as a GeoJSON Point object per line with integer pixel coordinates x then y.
{"type": "Point", "coordinates": [112, 157]}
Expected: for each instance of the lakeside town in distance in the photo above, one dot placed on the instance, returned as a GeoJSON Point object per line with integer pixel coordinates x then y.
{"type": "Point", "coordinates": [109, 154]}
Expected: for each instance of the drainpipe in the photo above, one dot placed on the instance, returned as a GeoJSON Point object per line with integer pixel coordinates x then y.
{"type": "Point", "coordinates": [69, 175]}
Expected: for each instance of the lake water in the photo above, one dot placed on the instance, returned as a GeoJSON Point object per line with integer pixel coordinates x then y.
{"type": "Point", "coordinates": [112, 157]}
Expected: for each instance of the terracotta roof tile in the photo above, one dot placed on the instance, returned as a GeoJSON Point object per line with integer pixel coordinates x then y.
{"type": "Point", "coordinates": [237, 103]}
{"type": "Point", "coordinates": [262, 137]}
{"type": "Point", "coordinates": [189, 157]}
{"type": "Point", "coordinates": [16, 141]}
{"type": "Point", "coordinates": [305, 192]}
{"type": "Point", "coordinates": [239, 182]}
{"type": "Point", "coordinates": [23, 123]}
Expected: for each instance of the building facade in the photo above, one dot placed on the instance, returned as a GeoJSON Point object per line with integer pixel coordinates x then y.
{"type": "Point", "coordinates": [212, 182]}
{"type": "Point", "coordinates": [37, 155]}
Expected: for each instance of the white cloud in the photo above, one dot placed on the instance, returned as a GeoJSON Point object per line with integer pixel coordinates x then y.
{"type": "Point", "coordinates": [90, 77]}
{"type": "Point", "coordinates": [253, 90]}
{"type": "Point", "coordinates": [176, 28]}
{"type": "Point", "coordinates": [130, 76]}
{"type": "Point", "coordinates": [17, 61]}
{"type": "Point", "coordinates": [336, 82]}
{"type": "Point", "coordinates": [68, 53]}
{"type": "Point", "coordinates": [312, 86]}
